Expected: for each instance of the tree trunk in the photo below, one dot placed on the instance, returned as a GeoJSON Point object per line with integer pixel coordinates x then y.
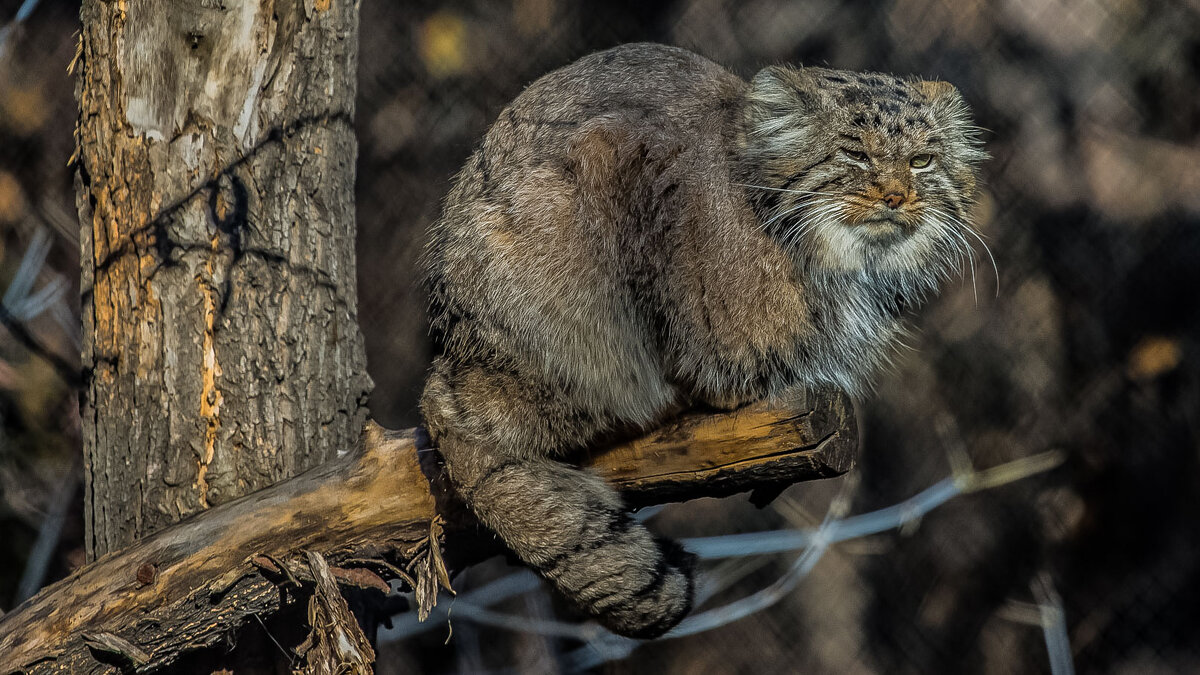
{"type": "Point", "coordinates": [216, 166]}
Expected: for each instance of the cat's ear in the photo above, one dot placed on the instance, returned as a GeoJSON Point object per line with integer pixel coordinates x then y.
{"type": "Point", "coordinates": [938, 92]}
{"type": "Point", "coordinates": [780, 97]}
{"type": "Point", "coordinates": [784, 90]}
{"type": "Point", "coordinates": [946, 101]}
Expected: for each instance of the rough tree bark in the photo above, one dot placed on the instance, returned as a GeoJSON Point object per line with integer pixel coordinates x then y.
{"type": "Point", "coordinates": [374, 514]}
{"type": "Point", "coordinates": [216, 164]}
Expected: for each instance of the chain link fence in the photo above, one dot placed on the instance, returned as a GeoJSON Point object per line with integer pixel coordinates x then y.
{"type": "Point", "coordinates": [1082, 344]}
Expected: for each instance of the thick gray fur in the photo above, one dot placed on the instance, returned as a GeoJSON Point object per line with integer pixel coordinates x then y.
{"type": "Point", "coordinates": [643, 231]}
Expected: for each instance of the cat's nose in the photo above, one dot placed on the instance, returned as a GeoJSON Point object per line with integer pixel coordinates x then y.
{"type": "Point", "coordinates": [893, 200]}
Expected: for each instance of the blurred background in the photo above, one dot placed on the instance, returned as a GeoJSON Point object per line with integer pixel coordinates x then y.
{"type": "Point", "coordinates": [1087, 346]}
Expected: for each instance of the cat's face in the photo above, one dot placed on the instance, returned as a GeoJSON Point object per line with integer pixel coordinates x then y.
{"type": "Point", "coordinates": [862, 171]}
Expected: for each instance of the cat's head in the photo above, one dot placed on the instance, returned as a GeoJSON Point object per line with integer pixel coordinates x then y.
{"type": "Point", "coordinates": [862, 171]}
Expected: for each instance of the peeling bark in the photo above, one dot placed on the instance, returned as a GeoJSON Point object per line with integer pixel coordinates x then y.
{"type": "Point", "coordinates": [216, 167]}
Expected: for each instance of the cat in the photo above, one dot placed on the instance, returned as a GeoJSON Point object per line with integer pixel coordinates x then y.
{"type": "Point", "coordinates": [642, 231]}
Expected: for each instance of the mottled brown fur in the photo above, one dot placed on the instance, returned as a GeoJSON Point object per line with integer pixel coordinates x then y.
{"type": "Point", "coordinates": [642, 231]}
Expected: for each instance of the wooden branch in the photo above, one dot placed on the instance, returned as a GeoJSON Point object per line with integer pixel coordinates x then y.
{"type": "Point", "coordinates": [379, 512]}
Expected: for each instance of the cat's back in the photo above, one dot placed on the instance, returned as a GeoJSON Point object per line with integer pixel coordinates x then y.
{"type": "Point", "coordinates": [644, 90]}
{"type": "Point", "coordinates": [641, 76]}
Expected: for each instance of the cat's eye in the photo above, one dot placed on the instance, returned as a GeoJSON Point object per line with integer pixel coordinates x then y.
{"type": "Point", "coordinates": [920, 161]}
{"type": "Point", "coordinates": [856, 155]}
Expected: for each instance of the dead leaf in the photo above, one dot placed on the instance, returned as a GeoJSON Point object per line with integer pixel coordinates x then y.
{"type": "Point", "coordinates": [117, 646]}
{"type": "Point", "coordinates": [361, 577]}
{"type": "Point", "coordinates": [430, 570]}
{"type": "Point", "coordinates": [335, 644]}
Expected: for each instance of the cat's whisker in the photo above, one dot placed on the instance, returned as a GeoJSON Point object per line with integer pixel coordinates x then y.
{"type": "Point", "coordinates": [813, 209]}
{"type": "Point", "coordinates": [792, 208]}
{"type": "Point", "coordinates": [824, 213]}
{"type": "Point", "coordinates": [788, 190]}
{"type": "Point", "coordinates": [807, 222]}
{"type": "Point", "coordinates": [795, 206]}
{"type": "Point", "coordinates": [795, 236]}
{"type": "Point", "coordinates": [978, 237]}
{"type": "Point", "coordinates": [974, 288]}
{"type": "Point", "coordinates": [954, 249]}
{"type": "Point", "coordinates": [964, 246]}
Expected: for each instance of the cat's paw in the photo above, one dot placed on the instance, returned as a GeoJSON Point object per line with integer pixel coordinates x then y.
{"type": "Point", "coordinates": [659, 602]}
